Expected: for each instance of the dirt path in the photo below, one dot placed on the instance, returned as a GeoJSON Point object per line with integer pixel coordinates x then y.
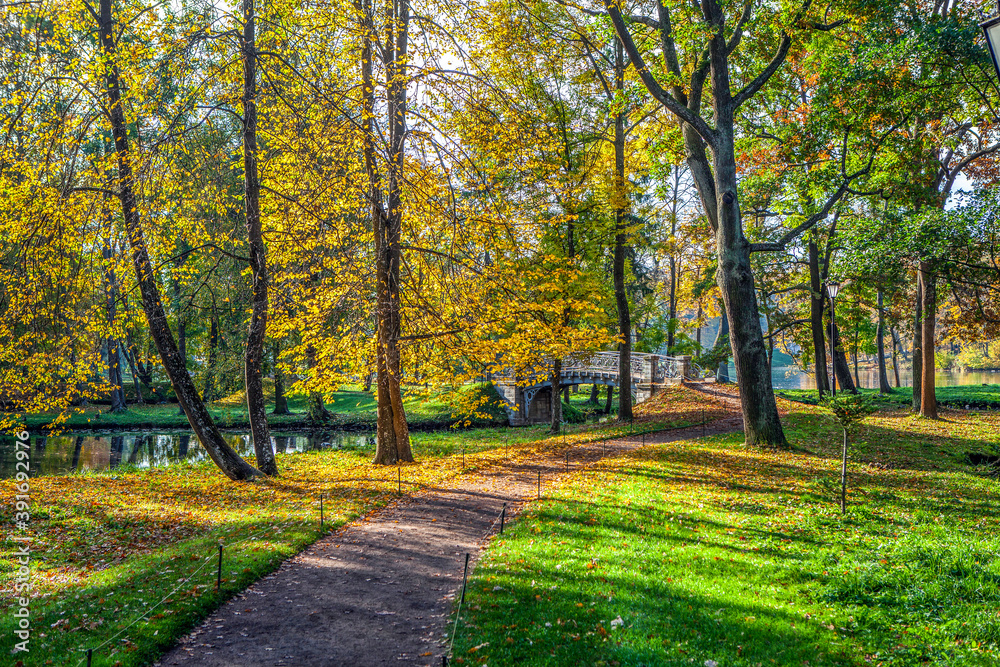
{"type": "Point", "coordinates": [379, 591]}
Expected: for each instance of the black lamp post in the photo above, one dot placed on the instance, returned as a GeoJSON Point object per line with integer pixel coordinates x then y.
{"type": "Point", "coordinates": [832, 288]}
{"type": "Point", "coordinates": [991, 29]}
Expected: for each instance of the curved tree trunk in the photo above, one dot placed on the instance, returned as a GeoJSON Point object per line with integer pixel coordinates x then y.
{"type": "Point", "coordinates": [253, 359]}
{"type": "Point", "coordinates": [761, 423]}
{"type": "Point", "coordinates": [187, 395]}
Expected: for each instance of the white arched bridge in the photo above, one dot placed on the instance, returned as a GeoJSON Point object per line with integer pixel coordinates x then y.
{"type": "Point", "coordinates": [528, 397]}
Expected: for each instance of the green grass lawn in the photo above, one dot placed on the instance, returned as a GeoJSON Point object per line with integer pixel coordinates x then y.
{"type": "Point", "coordinates": [706, 552]}
{"type": "Point", "coordinates": [974, 396]}
{"type": "Point", "coordinates": [108, 547]}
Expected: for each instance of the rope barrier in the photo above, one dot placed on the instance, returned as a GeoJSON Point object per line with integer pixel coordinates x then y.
{"type": "Point", "coordinates": [461, 600]}
{"type": "Point", "coordinates": [166, 597]}
{"type": "Point", "coordinates": [502, 515]}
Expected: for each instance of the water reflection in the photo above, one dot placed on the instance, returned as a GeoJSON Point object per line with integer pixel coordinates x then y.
{"type": "Point", "coordinates": [63, 454]}
{"type": "Point", "coordinates": [793, 377]}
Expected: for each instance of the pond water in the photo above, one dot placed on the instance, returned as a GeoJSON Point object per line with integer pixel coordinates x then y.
{"type": "Point", "coordinates": [793, 377]}
{"type": "Point", "coordinates": [72, 452]}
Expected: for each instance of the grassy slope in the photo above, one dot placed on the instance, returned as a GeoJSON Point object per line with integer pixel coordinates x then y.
{"type": "Point", "coordinates": [107, 547]}
{"type": "Point", "coordinates": [708, 551]}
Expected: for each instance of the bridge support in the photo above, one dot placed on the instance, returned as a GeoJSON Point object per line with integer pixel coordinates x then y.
{"type": "Point", "coordinates": [532, 404]}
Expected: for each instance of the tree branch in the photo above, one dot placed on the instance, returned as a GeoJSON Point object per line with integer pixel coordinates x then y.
{"type": "Point", "coordinates": [672, 105]}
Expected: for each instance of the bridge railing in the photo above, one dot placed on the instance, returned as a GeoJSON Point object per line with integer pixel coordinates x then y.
{"type": "Point", "coordinates": [645, 367]}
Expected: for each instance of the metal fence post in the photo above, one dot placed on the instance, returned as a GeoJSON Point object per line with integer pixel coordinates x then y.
{"type": "Point", "coordinates": [465, 577]}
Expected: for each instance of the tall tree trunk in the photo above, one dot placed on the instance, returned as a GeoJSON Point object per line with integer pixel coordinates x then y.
{"type": "Point", "coordinates": [111, 295]}
{"type": "Point", "coordinates": [181, 316]}
{"type": "Point", "coordinates": [144, 372]}
{"type": "Point", "coordinates": [928, 399]}
{"type": "Point", "coordinates": [857, 334]}
{"type": "Point", "coordinates": [618, 268]}
{"type": "Point", "coordinates": [280, 400]}
{"type": "Point", "coordinates": [556, 379]}
{"type": "Point", "coordinates": [135, 376]}
{"type": "Point", "coordinates": [883, 377]}
{"type": "Point", "coordinates": [717, 188]}
{"type": "Point", "coordinates": [253, 359]}
{"type": "Point", "coordinates": [840, 366]}
{"type": "Point", "coordinates": [672, 306]}
{"type": "Point", "coordinates": [895, 355]}
{"type": "Point", "coordinates": [609, 400]}
{"type": "Point", "coordinates": [761, 423]}
{"type": "Point", "coordinates": [817, 305]}
{"type": "Point", "coordinates": [187, 395]}
{"type": "Point", "coordinates": [918, 348]}
{"type": "Point", "coordinates": [697, 333]}
{"type": "Point", "coordinates": [393, 436]}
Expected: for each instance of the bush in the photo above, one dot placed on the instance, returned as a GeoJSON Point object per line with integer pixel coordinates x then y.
{"type": "Point", "coordinates": [573, 415]}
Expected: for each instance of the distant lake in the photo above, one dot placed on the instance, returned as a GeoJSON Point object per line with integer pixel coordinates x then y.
{"type": "Point", "coordinates": [72, 452]}
{"type": "Point", "coordinates": [793, 377]}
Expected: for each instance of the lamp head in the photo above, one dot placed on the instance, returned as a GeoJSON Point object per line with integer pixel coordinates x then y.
{"type": "Point", "coordinates": [833, 287]}
{"type": "Point", "coordinates": [991, 29]}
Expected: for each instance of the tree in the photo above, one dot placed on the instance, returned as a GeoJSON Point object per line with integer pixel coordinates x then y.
{"type": "Point", "coordinates": [254, 355]}
{"type": "Point", "coordinates": [187, 394]}
{"type": "Point", "coordinates": [716, 181]}
{"type": "Point", "coordinates": [393, 436]}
